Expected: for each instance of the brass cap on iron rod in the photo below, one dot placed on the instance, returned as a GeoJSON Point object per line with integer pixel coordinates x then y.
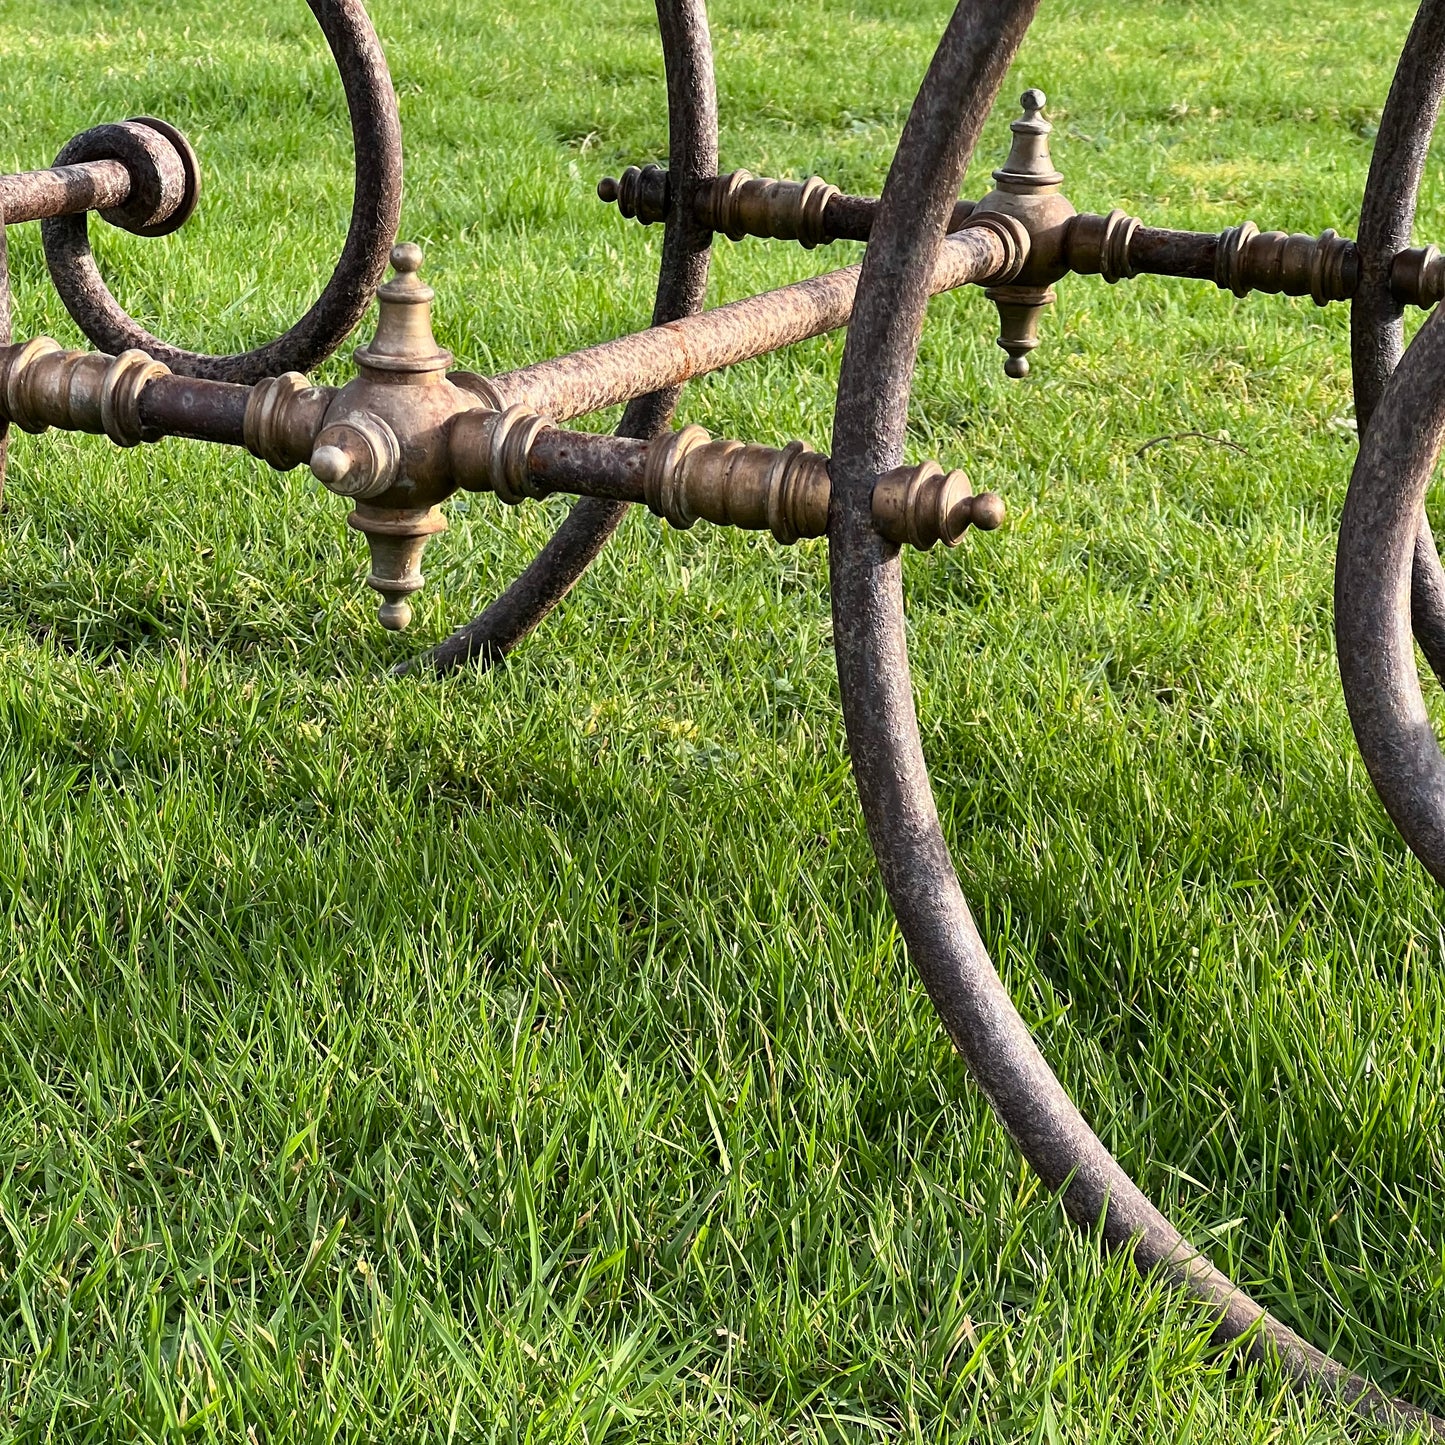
{"type": "Point", "coordinates": [42, 385]}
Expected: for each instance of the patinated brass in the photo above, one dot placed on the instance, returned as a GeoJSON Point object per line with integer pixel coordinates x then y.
{"type": "Point", "coordinates": [1417, 276]}
{"type": "Point", "coordinates": [787, 491]}
{"type": "Point", "coordinates": [43, 386]}
{"type": "Point", "coordinates": [1099, 245]}
{"type": "Point", "coordinates": [405, 434]}
{"type": "Point", "coordinates": [918, 506]}
{"type": "Point", "coordinates": [742, 204]}
{"type": "Point", "coordinates": [1323, 267]}
{"type": "Point", "coordinates": [358, 456]}
{"type": "Point", "coordinates": [690, 477]}
{"type": "Point", "coordinates": [1028, 188]}
{"type": "Point", "coordinates": [384, 437]}
{"type": "Point", "coordinates": [492, 452]}
{"type": "Point", "coordinates": [641, 193]}
{"type": "Point", "coordinates": [283, 418]}
{"type": "Point", "coordinates": [396, 538]}
{"type": "Point", "coordinates": [644, 194]}
{"type": "Point", "coordinates": [1027, 197]}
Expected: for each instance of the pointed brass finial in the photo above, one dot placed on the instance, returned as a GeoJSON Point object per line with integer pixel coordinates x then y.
{"type": "Point", "coordinates": [404, 342]}
{"type": "Point", "coordinates": [1029, 168]}
{"type": "Point", "coordinates": [396, 537]}
{"type": "Point", "coordinates": [1027, 187]}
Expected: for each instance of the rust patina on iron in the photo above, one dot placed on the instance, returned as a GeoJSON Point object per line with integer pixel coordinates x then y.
{"type": "Point", "coordinates": [409, 431]}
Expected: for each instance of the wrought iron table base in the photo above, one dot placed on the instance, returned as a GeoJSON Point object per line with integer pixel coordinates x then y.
{"type": "Point", "coordinates": [410, 431]}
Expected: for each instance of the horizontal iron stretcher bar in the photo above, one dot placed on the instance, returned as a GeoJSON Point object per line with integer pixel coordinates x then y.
{"type": "Point", "coordinates": [570, 386]}
{"type": "Point", "coordinates": [815, 213]}
{"type": "Point", "coordinates": [406, 435]}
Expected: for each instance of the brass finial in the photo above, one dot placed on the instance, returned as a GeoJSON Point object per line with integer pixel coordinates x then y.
{"type": "Point", "coordinates": [396, 536]}
{"type": "Point", "coordinates": [643, 193]}
{"type": "Point", "coordinates": [404, 342]}
{"type": "Point", "coordinates": [1026, 187]}
{"type": "Point", "coordinates": [1029, 168]}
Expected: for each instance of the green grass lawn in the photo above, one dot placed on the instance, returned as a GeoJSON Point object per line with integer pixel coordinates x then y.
{"type": "Point", "coordinates": [532, 1056]}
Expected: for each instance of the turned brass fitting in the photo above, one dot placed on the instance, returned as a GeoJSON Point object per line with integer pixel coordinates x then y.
{"type": "Point", "coordinates": [734, 205]}
{"type": "Point", "coordinates": [396, 537]}
{"type": "Point", "coordinates": [283, 416]}
{"type": "Point", "coordinates": [641, 193]}
{"type": "Point", "coordinates": [492, 452]}
{"type": "Point", "coordinates": [42, 385]}
{"type": "Point", "coordinates": [918, 506]}
{"type": "Point", "coordinates": [358, 456]}
{"type": "Point", "coordinates": [784, 490]}
{"type": "Point", "coordinates": [1324, 267]}
{"type": "Point", "coordinates": [382, 440]}
{"type": "Point", "coordinates": [1027, 188]}
{"type": "Point", "coordinates": [742, 204]}
{"type": "Point", "coordinates": [1417, 276]}
{"type": "Point", "coordinates": [686, 477]}
{"type": "Point", "coordinates": [787, 491]}
{"type": "Point", "coordinates": [1099, 245]}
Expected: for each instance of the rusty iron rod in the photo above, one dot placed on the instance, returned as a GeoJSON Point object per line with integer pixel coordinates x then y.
{"type": "Point", "coordinates": [740, 204]}
{"type": "Point", "coordinates": [206, 411]}
{"type": "Point", "coordinates": [589, 465]}
{"type": "Point", "coordinates": [64, 190]}
{"type": "Point", "coordinates": [850, 218]}
{"type": "Point", "coordinates": [663, 356]}
{"type": "Point", "coordinates": [1158, 251]}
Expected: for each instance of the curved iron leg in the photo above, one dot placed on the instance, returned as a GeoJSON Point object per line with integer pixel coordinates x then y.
{"type": "Point", "coordinates": [1372, 597]}
{"type": "Point", "coordinates": [883, 731]}
{"type": "Point", "coordinates": [4, 341]}
{"type": "Point", "coordinates": [681, 290]}
{"type": "Point", "coordinates": [1377, 333]}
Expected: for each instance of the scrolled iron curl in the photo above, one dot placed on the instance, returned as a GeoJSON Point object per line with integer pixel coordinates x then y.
{"type": "Point", "coordinates": [375, 216]}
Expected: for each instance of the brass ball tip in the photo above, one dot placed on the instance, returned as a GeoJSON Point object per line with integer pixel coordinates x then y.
{"type": "Point", "coordinates": [394, 615]}
{"type": "Point", "coordinates": [406, 258]}
{"type": "Point", "coordinates": [330, 466]}
{"type": "Point", "coordinates": [1017, 367]}
{"type": "Point", "coordinates": [1033, 101]}
{"type": "Point", "coordinates": [986, 511]}
{"type": "Point", "coordinates": [607, 189]}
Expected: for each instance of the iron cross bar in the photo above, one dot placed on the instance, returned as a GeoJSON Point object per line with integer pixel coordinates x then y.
{"type": "Point", "coordinates": [1115, 246]}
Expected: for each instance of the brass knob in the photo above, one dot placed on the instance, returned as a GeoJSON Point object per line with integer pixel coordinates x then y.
{"type": "Point", "coordinates": [359, 457]}
{"type": "Point", "coordinates": [921, 505]}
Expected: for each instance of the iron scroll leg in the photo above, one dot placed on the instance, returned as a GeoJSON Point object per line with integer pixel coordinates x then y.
{"type": "Point", "coordinates": [681, 290]}
{"type": "Point", "coordinates": [376, 213]}
{"type": "Point", "coordinates": [4, 341]}
{"type": "Point", "coordinates": [1387, 214]}
{"type": "Point", "coordinates": [882, 725]}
